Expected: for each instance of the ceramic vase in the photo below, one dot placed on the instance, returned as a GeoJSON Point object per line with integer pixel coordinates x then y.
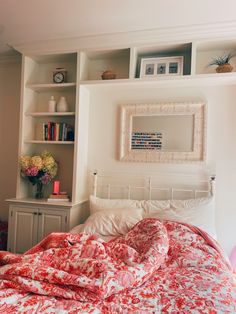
{"type": "Point", "coordinates": [62, 105]}
{"type": "Point", "coordinates": [52, 104]}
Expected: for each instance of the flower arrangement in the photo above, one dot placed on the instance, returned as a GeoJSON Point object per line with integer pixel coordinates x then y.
{"type": "Point", "coordinates": [40, 170]}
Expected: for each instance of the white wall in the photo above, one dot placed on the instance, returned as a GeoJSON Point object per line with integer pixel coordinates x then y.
{"type": "Point", "coordinates": [9, 124]}
{"type": "Point", "coordinates": [221, 142]}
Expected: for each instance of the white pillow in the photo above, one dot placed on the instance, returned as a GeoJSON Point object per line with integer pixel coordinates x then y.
{"type": "Point", "coordinates": [97, 204]}
{"type": "Point", "coordinates": [199, 212]}
{"type": "Point", "coordinates": [112, 222]}
{"type": "Point", "coordinates": [156, 206]}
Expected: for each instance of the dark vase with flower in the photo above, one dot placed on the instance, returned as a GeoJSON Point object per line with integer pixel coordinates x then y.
{"type": "Point", "coordinates": [39, 190]}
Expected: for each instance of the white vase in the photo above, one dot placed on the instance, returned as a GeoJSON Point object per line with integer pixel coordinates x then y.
{"type": "Point", "coordinates": [62, 105]}
{"type": "Point", "coordinates": [52, 104]}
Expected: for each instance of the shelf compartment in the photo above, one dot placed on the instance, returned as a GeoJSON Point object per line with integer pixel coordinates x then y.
{"type": "Point", "coordinates": [94, 63]}
{"type": "Point", "coordinates": [206, 51]}
{"type": "Point", "coordinates": [161, 51]}
{"type": "Point", "coordinates": [40, 68]}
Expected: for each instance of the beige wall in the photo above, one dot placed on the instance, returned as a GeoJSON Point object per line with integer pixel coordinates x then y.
{"type": "Point", "coordinates": [9, 124]}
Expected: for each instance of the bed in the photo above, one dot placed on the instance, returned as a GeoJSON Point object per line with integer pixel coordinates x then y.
{"type": "Point", "coordinates": [129, 256]}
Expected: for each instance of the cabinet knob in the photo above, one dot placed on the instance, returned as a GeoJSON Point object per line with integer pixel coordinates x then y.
{"type": "Point", "coordinates": [40, 214]}
{"type": "Point", "coordinates": [35, 213]}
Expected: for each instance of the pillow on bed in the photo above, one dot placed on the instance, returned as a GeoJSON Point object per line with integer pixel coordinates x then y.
{"type": "Point", "coordinates": [112, 222]}
{"type": "Point", "coordinates": [156, 206]}
{"type": "Point", "coordinates": [97, 204]}
{"type": "Point", "coordinates": [199, 212]}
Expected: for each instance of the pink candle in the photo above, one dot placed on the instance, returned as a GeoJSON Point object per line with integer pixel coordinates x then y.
{"type": "Point", "coordinates": [56, 187]}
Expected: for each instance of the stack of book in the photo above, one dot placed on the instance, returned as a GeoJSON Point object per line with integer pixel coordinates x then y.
{"type": "Point", "coordinates": [58, 198]}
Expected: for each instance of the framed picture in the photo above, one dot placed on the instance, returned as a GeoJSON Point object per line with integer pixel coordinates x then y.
{"type": "Point", "coordinates": [154, 67]}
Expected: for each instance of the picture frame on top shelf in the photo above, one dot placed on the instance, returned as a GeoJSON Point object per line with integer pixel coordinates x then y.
{"type": "Point", "coordinates": [161, 66]}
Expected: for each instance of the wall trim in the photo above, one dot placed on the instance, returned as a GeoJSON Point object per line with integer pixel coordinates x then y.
{"type": "Point", "coordinates": [128, 39]}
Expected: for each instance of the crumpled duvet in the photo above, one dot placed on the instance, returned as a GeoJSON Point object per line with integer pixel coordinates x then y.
{"type": "Point", "coordinates": [157, 267]}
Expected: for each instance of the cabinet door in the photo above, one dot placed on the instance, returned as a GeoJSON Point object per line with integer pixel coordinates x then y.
{"type": "Point", "coordinates": [23, 228]}
{"type": "Point", "coordinates": [51, 221]}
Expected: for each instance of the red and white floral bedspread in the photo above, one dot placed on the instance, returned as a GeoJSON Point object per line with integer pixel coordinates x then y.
{"type": "Point", "coordinates": [158, 267]}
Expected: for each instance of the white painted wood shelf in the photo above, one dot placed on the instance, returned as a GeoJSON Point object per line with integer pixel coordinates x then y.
{"type": "Point", "coordinates": [50, 114]}
{"type": "Point", "coordinates": [54, 87]}
{"type": "Point", "coordinates": [49, 142]}
{"type": "Point", "coordinates": [168, 81]}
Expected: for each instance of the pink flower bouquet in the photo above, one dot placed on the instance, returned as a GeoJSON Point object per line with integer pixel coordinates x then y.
{"type": "Point", "coordinates": [40, 170]}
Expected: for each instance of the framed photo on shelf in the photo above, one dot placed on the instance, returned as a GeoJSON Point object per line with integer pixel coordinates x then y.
{"type": "Point", "coordinates": [155, 67]}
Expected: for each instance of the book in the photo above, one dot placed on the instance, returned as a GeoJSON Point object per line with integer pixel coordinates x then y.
{"type": "Point", "coordinates": [58, 196]}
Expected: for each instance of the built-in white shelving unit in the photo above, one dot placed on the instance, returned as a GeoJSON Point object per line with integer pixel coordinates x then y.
{"type": "Point", "coordinates": [84, 70]}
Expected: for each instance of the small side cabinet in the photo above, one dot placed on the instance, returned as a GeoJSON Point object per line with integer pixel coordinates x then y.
{"type": "Point", "coordinates": [29, 223]}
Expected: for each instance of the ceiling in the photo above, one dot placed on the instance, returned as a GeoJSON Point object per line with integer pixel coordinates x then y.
{"type": "Point", "coordinates": [28, 21]}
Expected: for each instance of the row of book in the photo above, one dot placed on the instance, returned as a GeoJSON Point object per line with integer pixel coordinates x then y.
{"type": "Point", "coordinates": [58, 131]}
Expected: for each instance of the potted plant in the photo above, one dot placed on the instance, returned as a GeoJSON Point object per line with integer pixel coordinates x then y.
{"type": "Point", "coordinates": [222, 63]}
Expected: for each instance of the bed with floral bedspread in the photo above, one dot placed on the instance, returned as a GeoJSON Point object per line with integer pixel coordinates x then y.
{"type": "Point", "coordinates": [157, 267]}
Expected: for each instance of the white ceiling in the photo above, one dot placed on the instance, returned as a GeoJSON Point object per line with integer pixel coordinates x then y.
{"type": "Point", "coordinates": [24, 21]}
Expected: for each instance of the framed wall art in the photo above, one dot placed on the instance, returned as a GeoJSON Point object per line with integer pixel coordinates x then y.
{"type": "Point", "coordinates": [165, 132]}
{"type": "Point", "coordinates": [155, 67]}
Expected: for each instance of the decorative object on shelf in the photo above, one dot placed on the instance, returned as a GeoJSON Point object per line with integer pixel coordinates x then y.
{"type": "Point", "coordinates": [62, 105]}
{"type": "Point", "coordinates": [108, 75]}
{"type": "Point", "coordinates": [52, 104]}
{"type": "Point", "coordinates": [39, 190]}
{"type": "Point", "coordinates": [39, 170]}
{"type": "Point", "coordinates": [154, 67]}
{"type": "Point", "coordinates": [56, 187]}
{"type": "Point", "coordinates": [61, 197]}
{"type": "Point", "coordinates": [59, 75]}
{"type": "Point", "coordinates": [222, 63]}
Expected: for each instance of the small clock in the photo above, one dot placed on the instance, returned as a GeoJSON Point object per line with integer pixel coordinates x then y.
{"type": "Point", "coordinates": [59, 75]}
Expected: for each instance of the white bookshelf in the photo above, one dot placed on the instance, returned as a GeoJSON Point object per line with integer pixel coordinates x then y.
{"type": "Point", "coordinates": [37, 88]}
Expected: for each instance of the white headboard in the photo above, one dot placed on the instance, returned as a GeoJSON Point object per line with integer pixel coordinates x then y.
{"type": "Point", "coordinates": [158, 186]}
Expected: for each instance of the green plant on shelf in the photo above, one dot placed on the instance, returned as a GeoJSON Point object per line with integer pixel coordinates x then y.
{"type": "Point", "coordinates": [222, 63]}
{"type": "Point", "coordinates": [222, 59]}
